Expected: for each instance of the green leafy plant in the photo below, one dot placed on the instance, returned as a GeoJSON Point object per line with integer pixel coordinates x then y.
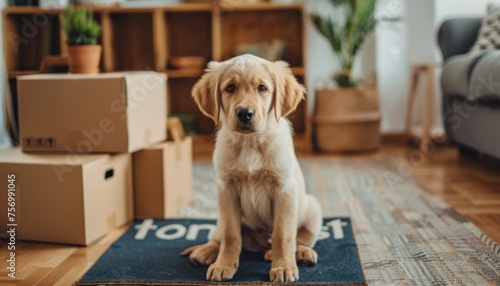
{"type": "Point", "coordinates": [80, 26]}
{"type": "Point", "coordinates": [347, 37]}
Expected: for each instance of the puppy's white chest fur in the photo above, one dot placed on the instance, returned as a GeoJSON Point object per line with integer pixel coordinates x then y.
{"type": "Point", "coordinates": [257, 168]}
{"type": "Point", "coordinates": [250, 161]}
{"type": "Point", "coordinates": [257, 186]}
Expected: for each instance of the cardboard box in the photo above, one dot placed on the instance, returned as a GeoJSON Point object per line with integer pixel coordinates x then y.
{"type": "Point", "coordinates": [75, 113]}
{"type": "Point", "coordinates": [163, 175]}
{"type": "Point", "coordinates": [66, 198]}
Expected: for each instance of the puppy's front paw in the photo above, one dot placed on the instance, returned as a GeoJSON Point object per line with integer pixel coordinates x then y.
{"type": "Point", "coordinates": [203, 254]}
{"type": "Point", "coordinates": [306, 256]}
{"type": "Point", "coordinates": [268, 255]}
{"type": "Point", "coordinates": [284, 272]}
{"type": "Point", "coordinates": [221, 272]}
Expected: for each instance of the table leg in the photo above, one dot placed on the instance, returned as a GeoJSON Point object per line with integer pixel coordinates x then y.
{"type": "Point", "coordinates": [428, 110]}
{"type": "Point", "coordinates": [411, 100]}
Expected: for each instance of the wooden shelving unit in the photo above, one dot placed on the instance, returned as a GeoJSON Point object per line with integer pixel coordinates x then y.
{"type": "Point", "coordinates": [145, 39]}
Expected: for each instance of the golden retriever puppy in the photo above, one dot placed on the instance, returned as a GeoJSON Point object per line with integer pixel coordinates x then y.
{"type": "Point", "coordinates": [263, 205]}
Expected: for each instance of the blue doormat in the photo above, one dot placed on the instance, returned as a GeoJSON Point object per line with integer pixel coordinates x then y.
{"type": "Point", "coordinates": [149, 254]}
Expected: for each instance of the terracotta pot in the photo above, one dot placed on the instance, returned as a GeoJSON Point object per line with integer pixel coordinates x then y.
{"type": "Point", "coordinates": [347, 119]}
{"type": "Point", "coordinates": [84, 58]}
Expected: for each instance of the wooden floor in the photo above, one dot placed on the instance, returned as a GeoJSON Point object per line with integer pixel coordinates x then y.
{"type": "Point", "coordinates": [471, 186]}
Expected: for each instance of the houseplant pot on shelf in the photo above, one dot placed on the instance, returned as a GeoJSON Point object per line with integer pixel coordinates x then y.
{"type": "Point", "coordinates": [82, 31]}
{"type": "Point", "coordinates": [347, 118]}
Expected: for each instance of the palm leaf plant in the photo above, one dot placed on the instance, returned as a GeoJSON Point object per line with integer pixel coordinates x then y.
{"type": "Point", "coordinates": [347, 37]}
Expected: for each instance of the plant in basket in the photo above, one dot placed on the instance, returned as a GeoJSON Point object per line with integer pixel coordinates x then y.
{"type": "Point", "coordinates": [347, 118]}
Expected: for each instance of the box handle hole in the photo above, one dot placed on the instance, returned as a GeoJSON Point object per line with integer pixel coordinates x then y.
{"type": "Point", "coordinates": [109, 174]}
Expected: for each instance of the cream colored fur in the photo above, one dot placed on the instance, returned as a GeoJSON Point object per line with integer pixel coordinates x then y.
{"type": "Point", "coordinates": [263, 205]}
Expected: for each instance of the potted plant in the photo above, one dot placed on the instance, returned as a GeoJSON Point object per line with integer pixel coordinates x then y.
{"type": "Point", "coordinates": [82, 32]}
{"type": "Point", "coordinates": [347, 118]}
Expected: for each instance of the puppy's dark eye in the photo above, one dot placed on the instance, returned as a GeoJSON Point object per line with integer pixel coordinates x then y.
{"type": "Point", "coordinates": [231, 88]}
{"type": "Point", "coordinates": [262, 88]}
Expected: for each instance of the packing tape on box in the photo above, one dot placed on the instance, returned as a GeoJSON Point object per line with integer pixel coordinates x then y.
{"type": "Point", "coordinates": [175, 132]}
{"type": "Point", "coordinates": [112, 222]}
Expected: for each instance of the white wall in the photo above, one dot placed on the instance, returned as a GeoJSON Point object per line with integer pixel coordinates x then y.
{"type": "Point", "coordinates": [460, 8]}
{"type": "Point", "coordinates": [321, 62]}
{"type": "Point", "coordinates": [392, 64]}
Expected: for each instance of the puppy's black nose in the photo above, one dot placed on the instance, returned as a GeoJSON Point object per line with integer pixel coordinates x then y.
{"type": "Point", "coordinates": [245, 114]}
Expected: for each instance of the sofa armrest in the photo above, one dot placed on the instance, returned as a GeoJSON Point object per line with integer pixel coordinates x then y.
{"type": "Point", "coordinates": [457, 36]}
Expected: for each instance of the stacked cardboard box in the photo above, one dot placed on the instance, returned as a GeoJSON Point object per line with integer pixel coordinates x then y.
{"type": "Point", "coordinates": [74, 179]}
{"type": "Point", "coordinates": [114, 112]}
{"type": "Point", "coordinates": [67, 200]}
{"type": "Point", "coordinates": [162, 175]}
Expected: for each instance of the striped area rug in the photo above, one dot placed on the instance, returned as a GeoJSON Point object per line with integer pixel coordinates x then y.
{"type": "Point", "coordinates": [405, 236]}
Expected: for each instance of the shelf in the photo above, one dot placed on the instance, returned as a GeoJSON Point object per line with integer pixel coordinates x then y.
{"type": "Point", "coordinates": [123, 10]}
{"type": "Point", "coordinates": [298, 71]}
{"type": "Point", "coordinates": [189, 7]}
{"type": "Point", "coordinates": [301, 142]}
{"type": "Point", "coordinates": [252, 27]}
{"type": "Point", "coordinates": [23, 10]}
{"type": "Point", "coordinates": [184, 7]}
{"type": "Point", "coordinates": [189, 33]}
{"type": "Point", "coordinates": [184, 73]}
{"type": "Point", "coordinates": [260, 7]}
{"type": "Point", "coordinates": [132, 41]}
{"type": "Point", "coordinates": [190, 73]}
{"type": "Point", "coordinates": [203, 143]}
{"type": "Point", "coordinates": [25, 49]}
{"type": "Point", "coordinates": [146, 38]}
{"type": "Point", "coordinates": [26, 10]}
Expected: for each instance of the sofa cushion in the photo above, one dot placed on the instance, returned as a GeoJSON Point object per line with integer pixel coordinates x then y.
{"type": "Point", "coordinates": [489, 33]}
{"type": "Point", "coordinates": [475, 126]}
{"type": "Point", "coordinates": [485, 78]}
{"type": "Point", "coordinates": [457, 71]}
{"type": "Point", "coordinates": [457, 36]}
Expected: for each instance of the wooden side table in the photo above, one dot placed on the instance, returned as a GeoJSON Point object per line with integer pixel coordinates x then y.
{"type": "Point", "coordinates": [426, 132]}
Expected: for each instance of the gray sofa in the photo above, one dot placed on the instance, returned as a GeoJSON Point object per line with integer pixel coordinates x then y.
{"type": "Point", "coordinates": [470, 83]}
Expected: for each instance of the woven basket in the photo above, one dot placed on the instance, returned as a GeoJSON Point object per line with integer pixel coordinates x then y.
{"type": "Point", "coordinates": [347, 119]}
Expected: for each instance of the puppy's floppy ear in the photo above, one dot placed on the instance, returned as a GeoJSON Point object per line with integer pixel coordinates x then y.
{"type": "Point", "coordinates": [288, 91]}
{"type": "Point", "coordinates": [206, 91]}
